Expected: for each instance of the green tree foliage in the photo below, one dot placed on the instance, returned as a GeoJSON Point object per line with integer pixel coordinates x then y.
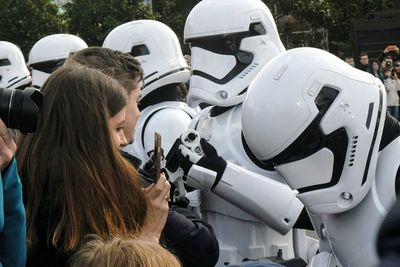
{"type": "Point", "coordinates": [337, 16]}
{"type": "Point", "coordinates": [93, 20]}
{"type": "Point", "coordinates": [24, 22]}
{"type": "Point", "coordinates": [174, 14]}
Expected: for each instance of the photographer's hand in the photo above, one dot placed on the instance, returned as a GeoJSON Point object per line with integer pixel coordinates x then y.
{"type": "Point", "coordinates": [7, 146]}
{"type": "Point", "coordinates": [157, 209]}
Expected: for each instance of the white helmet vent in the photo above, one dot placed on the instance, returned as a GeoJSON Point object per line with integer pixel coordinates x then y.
{"type": "Point", "coordinates": [248, 70]}
{"type": "Point", "coordinates": [353, 149]}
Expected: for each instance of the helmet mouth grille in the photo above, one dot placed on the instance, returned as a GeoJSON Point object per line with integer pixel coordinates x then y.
{"type": "Point", "coordinates": [353, 150]}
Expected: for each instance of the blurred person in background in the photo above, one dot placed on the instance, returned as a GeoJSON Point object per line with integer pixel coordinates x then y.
{"type": "Point", "coordinates": [376, 69]}
{"type": "Point", "coordinates": [392, 85]}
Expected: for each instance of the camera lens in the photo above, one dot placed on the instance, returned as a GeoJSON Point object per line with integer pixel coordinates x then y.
{"type": "Point", "coordinates": [191, 137]}
{"type": "Point", "coordinates": [19, 109]}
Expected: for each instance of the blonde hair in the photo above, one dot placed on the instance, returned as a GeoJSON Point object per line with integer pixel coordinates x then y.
{"type": "Point", "coordinates": [122, 251]}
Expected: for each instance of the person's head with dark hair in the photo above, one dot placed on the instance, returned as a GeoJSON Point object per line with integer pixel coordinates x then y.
{"type": "Point", "coordinates": [123, 251]}
{"type": "Point", "coordinates": [376, 68]}
{"type": "Point", "coordinates": [364, 61]}
{"type": "Point", "coordinates": [125, 69]}
{"type": "Point", "coordinates": [77, 183]}
{"type": "Point", "coordinates": [121, 66]}
{"type": "Point", "coordinates": [349, 60]}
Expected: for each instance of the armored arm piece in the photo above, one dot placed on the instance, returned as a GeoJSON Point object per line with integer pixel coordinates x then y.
{"type": "Point", "coordinates": [272, 202]}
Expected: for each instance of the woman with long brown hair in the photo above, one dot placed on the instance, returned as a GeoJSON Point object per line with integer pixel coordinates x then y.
{"type": "Point", "coordinates": [76, 181]}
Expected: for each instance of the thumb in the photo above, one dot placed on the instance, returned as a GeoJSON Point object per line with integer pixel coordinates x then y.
{"type": "Point", "coordinates": [208, 149]}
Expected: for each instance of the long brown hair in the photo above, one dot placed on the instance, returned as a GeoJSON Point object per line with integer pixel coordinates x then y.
{"type": "Point", "coordinates": [71, 166]}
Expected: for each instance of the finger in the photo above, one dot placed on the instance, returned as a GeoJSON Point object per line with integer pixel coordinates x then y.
{"type": "Point", "coordinates": [165, 195]}
{"type": "Point", "coordinates": [158, 189]}
{"type": "Point", "coordinates": [164, 187]}
{"type": "Point", "coordinates": [6, 136]}
{"type": "Point", "coordinates": [208, 149]}
{"type": "Point", "coordinates": [147, 189]}
{"type": "Point", "coordinates": [6, 155]}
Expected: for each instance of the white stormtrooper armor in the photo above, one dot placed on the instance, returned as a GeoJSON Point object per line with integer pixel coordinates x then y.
{"type": "Point", "coordinates": [227, 52]}
{"type": "Point", "coordinates": [49, 53]}
{"type": "Point", "coordinates": [13, 70]}
{"type": "Point", "coordinates": [331, 141]}
{"type": "Point", "coordinates": [158, 50]}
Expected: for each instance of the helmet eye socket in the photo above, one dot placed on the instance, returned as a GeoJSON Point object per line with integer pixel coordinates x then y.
{"type": "Point", "coordinates": [312, 139]}
{"type": "Point", "coordinates": [4, 62]}
{"type": "Point", "coordinates": [140, 50]}
{"type": "Point", "coordinates": [227, 44]}
{"type": "Point", "coordinates": [48, 66]}
{"type": "Point", "coordinates": [220, 45]}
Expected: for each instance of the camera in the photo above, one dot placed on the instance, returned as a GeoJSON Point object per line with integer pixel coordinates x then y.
{"type": "Point", "coordinates": [191, 139]}
{"type": "Point", "coordinates": [388, 63]}
{"type": "Point", "coordinates": [19, 109]}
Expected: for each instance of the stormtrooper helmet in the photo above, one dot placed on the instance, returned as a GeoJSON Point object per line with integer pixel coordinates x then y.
{"type": "Point", "coordinates": [319, 122]}
{"type": "Point", "coordinates": [13, 70]}
{"type": "Point", "coordinates": [156, 47]}
{"type": "Point", "coordinates": [230, 41]}
{"type": "Point", "coordinates": [49, 53]}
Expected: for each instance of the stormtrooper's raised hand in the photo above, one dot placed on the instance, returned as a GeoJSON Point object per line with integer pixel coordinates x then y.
{"type": "Point", "coordinates": [206, 157]}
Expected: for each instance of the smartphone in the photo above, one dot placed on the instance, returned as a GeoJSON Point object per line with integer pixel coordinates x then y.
{"type": "Point", "coordinates": [157, 151]}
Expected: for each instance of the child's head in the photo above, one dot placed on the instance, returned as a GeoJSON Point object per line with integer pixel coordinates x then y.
{"type": "Point", "coordinates": [123, 251]}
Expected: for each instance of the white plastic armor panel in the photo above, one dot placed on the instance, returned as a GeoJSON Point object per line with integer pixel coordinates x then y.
{"type": "Point", "coordinates": [169, 118]}
{"type": "Point", "coordinates": [352, 234]}
{"type": "Point", "coordinates": [326, 100]}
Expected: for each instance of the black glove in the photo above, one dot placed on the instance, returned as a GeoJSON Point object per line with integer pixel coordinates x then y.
{"type": "Point", "coordinates": [211, 160]}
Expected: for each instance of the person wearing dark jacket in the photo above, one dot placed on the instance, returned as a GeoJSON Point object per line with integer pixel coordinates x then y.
{"type": "Point", "coordinates": [187, 236]}
{"type": "Point", "coordinates": [184, 234]}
